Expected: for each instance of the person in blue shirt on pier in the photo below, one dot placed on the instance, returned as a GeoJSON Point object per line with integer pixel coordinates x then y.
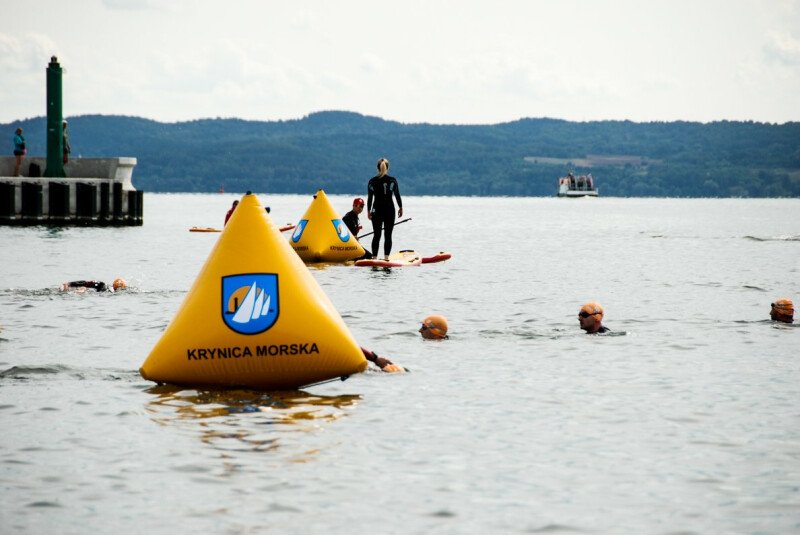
{"type": "Point", "coordinates": [19, 150]}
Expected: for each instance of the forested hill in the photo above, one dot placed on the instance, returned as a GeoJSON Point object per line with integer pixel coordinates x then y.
{"type": "Point", "coordinates": [337, 151]}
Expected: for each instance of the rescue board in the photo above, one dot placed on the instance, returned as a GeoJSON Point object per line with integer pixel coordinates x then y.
{"type": "Point", "coordinates": [403, 259]}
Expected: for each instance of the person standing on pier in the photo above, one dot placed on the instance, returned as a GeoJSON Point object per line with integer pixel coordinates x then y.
{"type": "Point", "coordinates": [67, 148]}
{"type": "Point", "coordinates": [19, 150]}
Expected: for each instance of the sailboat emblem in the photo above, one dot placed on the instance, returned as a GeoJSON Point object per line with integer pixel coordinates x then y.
{"type": "Point", "coordinates": [341, 229]}
{"type": "Point", "coordinates": [250, 302]}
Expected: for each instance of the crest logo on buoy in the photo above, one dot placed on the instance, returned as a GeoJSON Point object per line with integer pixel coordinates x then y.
{"type": "Point", "coordinates": [298, 230]}
{"type": "Point", "coordinates": [341, 229]}
{"type": "Point", "coordinates": [250, 302]}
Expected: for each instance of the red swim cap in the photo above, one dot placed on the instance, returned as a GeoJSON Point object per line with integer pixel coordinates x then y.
{"type": "Point", "coordinates": [358, 201]}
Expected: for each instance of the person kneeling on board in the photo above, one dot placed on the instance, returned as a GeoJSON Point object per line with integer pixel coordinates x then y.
{"type": "Point", "coordinates": [434, 328]}
{"type": "Point", "coordinates": [591, 319]}
{"type": "Point", "coordinates": [782, 310]}
{"type": "Point", "coordinates": [99, 286]}
{"type": "Point", "coordinates": [383, 363]}
{"type": "Point", "coordinates": [353, 225]}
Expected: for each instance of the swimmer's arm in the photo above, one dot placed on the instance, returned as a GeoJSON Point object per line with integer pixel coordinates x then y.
{"type": "Point", "coordinates": [383, 363]}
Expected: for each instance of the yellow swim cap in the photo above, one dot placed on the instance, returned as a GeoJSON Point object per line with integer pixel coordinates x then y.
{"type": "Point", "coordinates": [434, 327]}
{"type": "Point", "coordinates": [119, 284]}
{"type": "Point", "coordinates": [590, 309]}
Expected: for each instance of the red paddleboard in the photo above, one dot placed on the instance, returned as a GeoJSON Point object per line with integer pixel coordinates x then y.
{"type": "Point", "coordinates": [403, 259]}
{"type": "Point", "coordinates": [440, 257]}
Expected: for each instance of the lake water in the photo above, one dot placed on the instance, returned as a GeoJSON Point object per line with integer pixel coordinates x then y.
{"type": "Point", "coordinates": [687, 421]}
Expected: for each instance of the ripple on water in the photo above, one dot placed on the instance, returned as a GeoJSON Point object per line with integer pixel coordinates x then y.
{"type": "Point", "coordinates": [554, 528]}
{"type": "Point", "coordinates": [22, 372]}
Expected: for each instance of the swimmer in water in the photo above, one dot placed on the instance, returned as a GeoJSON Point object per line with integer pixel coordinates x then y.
{"type": "Point", "coordinates": [591, 319]}
{"type": "Point", "coordinates": [383, 363]}
{"type": "Point", "coordinates": [782, 310]}
{"type": "Point", "coordinates": [434, 328]}
{"type": "Point", "coordinates": [98, 286]}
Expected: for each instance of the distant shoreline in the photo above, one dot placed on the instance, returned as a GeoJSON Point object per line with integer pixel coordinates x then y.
{"type": "Point", "coordinates": [337, 151]}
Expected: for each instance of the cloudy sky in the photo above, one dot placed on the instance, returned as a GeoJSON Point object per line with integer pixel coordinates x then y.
{"type": "Point", "coordinates": [436, 61]}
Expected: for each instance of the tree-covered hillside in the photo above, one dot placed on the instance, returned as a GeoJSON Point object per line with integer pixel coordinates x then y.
{"type": "Point", "coordinates": [337, 151]}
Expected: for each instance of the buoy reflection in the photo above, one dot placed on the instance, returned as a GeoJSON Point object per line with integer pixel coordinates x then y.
{"type": "Point", "coordinates": [245, 420]}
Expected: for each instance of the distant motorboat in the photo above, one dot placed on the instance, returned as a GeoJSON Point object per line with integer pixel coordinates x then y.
{"type": "Point", "coordinates": [577, 186]}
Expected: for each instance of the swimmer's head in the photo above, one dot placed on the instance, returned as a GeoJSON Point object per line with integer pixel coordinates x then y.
{"type": "Point", "coordinates": [782, 310]}
{"type": "Point", "coordinates": [434, 327]}
{"type": "Point", "coordinates": [590, 317]}
{"type": "Point", "coordinates": [119, 284]}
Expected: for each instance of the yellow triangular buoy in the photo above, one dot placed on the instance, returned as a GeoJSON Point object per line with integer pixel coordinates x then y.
{"type": "Point", "coordinates": [255, 317]}
{"type": "Point", "coordinates": [322, 236]}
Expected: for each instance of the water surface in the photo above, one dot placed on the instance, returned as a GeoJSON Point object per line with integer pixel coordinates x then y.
{"type": "Point", "coordinates": [689, 422]}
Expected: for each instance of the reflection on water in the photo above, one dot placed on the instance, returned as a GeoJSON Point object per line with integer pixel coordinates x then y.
{"type": "Point", "coordinates": [245, 420]}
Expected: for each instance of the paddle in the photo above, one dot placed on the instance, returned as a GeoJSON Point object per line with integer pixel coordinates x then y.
{"type": "Point", "coordinates": [373, 232]}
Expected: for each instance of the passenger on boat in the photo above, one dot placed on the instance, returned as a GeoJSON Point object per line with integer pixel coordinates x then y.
{"type": "Point", "coordinates": [782, 310]}
{"type": "Point", "coordinates": [589, 181]}
{"type": "Point", "coordinates": [383, 363]}
{"type": "Point", "coordinates": [434, 328]}
{"type": "Point", "coordinates": [590, 318]}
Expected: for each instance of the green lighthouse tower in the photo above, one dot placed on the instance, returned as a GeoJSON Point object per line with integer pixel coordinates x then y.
{"type": "Point", "coordinates": [55, 118]}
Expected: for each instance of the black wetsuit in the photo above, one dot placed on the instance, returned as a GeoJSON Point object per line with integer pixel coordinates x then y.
{"type": "Point", "coordinates": [351, 220]}
{"type": "Point", "coordinates": [94, 285]}
{"type": "Point", "coordinates": [603, 329]}
{"type": "Point", "coordinates": [380, 190]}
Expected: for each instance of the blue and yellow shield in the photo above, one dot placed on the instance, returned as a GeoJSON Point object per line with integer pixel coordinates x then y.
{"type": "Point", "coordinates": [250, 302]}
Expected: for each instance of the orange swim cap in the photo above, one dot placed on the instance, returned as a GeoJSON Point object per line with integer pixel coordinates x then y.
{"type": "Point", "coordinates": [784, 305]}
{"type": "Point", "coordinates": [434, 327]}
{"type": "Point", "coordinates": [590, 309]}
{"type": "Point", "coordinates": [119, 284]}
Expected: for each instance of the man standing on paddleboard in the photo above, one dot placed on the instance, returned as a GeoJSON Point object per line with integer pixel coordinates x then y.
{"type": "Point", "coordinates": [380, 189]}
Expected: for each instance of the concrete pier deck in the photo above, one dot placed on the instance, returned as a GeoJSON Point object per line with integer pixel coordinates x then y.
{"type": "Point", "coordinates": [96, 192]}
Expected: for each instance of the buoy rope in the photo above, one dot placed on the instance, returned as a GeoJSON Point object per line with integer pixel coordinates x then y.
{"type": "Point", "coordinates": [342, 378]}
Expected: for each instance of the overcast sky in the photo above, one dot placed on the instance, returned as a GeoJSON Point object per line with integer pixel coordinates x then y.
{"type": "Point", "coordinates": [434, 61]}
